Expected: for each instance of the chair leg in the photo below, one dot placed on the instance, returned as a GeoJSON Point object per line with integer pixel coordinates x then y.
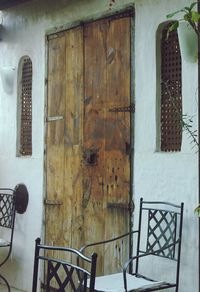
{"type": "Point", "coordinates": [6, 282]}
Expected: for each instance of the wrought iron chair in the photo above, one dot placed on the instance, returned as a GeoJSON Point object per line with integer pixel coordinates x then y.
{"type": "Point", "coordinates": [159, 236]}
{"type": "Point", "coordinates": [11, 201]}
{"type": "Point", "coordinates": [7, 223]}
{"type": "Point", "coordinates": [63, 269]}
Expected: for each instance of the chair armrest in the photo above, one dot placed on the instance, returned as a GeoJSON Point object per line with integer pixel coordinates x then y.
{"type": "Point", "coordinates": [107, 241]}
{"type": "Point", "coordinates": [126, 265]}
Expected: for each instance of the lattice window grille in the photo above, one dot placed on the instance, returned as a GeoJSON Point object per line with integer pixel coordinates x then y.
{"type": "Point", "coordinates": [171, 92]}
{"type": "Point", "coordinates": [26, 108]}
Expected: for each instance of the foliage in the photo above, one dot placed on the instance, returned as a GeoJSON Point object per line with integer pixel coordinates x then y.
{"type": "Point", "coordinates": [189, 15]}
{"type": "Point", "coordinates": [186, 120]}
{"type": "Point", "coordinates": [187, 123]}
{"type": "Point", "coordinates": [197, 210]}
{"type": "Point", "coordinates": [192, 17]}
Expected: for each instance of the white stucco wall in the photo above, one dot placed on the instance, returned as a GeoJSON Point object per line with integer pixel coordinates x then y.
{"type": "Point", "coordinates": [166, 176]}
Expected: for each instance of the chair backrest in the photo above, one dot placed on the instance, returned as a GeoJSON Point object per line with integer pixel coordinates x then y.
{"type": "Point", "coordinates": [62, 273]}
{"type": "Point", "coordinates": [163, 230]}
{"type": "Point", "coordinates": [7, 208]}
{"type": "Point", "coordinates": [7, 212]}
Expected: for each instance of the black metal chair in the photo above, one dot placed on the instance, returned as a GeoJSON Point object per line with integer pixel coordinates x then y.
{"type": "Point", "coordinates": [159, 236]}
{"type": "Point", "coordinates": [7, 223]}
{"type": "Point", "coordinates": [11, 201]}
{"type": "Point", "coordinates": [63, 271]}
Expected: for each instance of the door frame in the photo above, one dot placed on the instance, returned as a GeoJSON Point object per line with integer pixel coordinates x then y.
{"type": "Point", "coordinates": [125, 10]}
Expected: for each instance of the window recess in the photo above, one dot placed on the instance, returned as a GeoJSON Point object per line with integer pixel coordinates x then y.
{"type": "Point", "coordinates": [25, 135]}
{"type": "Point", "coordinates": [171, 92]}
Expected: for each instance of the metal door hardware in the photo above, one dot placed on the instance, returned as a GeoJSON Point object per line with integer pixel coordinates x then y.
{"type": "Point", "coordinates": [90, 156]}
{"type": "Point", "coordinates": [53, 202]}
{"type": "Point", "coordinates": [130, 109]}
{"type": "Point", "coordinates": [56, 118]}
{"type": "Point", "coordinates": [123, 206]}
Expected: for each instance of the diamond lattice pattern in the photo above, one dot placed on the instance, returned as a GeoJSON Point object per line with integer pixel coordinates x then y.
{"type": "Point", "coordinates": [162, 232]}
{"type": "Point", "coordinates": [62, 277]}
{"type": "Point", "coordinates": [6, 209]}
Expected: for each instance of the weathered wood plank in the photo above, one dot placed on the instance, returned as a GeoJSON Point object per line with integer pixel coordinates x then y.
{"type": "Point", "coordinates": [73, 136]}
{"type": "Point", "coordinates": [107, 85]}
{"type": "Point", "coordinates": [95, 92]}
{"type": "Point", "coordinates": [55, 140]}
{"type": "Point", "coordinates": [117, 162]}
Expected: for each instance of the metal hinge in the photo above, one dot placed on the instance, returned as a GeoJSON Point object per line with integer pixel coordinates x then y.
{"type": "Point", "coordinates": [130, 109]}
{"type": "Point", "coordinates": [55, 118]}
{"type": "Point", "coordinates": [55, 35]}
{"type": "Point", "coordinates": [124, 206]}
{"type": "Point", "coordinates": [53, 202]}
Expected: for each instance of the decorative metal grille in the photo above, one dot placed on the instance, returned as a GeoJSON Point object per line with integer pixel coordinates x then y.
{"type": "Point", "coordinates": [171, 92]}
{"type": "Point", "coordinates": [26, 108]}
{"type": "Point", "coordinates": [63, 277]}
{"type": "Point", "coordinates": [162, 232]}
{"type": "Point", "coordinates": [6, 210]}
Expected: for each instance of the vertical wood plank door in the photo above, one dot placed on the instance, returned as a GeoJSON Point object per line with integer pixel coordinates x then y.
{"type": "Point", "coordinates": [88, 138]}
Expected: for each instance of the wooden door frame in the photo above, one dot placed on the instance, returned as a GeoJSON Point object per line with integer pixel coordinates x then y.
{"type": "Point", "coordinates": [125, 10]}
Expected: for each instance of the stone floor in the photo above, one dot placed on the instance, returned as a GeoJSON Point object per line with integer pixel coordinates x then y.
{"type": "Point", "coordinates": [4, 289]}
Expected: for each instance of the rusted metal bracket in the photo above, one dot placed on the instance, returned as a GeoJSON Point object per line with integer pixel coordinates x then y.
{"type": "Point", "coordinates": [123, 206]}
{"type": "Point", "coordinates": [130, 109]}
{"type": "Point", "coordinates": [53, 202]}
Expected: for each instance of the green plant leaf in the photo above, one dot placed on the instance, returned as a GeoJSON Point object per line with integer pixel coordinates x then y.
{"type": "Point", "coordinates": [197, 210]}
{"type": "Point", "coordinates": [174, 13]}
{"type": "Point", "coordinates": [187, 16]}
{"type": "Point", "coordinates": [192, 5]}
{"type": "Point", "coordinates": [174, 26]}
{"type": "Point", "coordinates": [187, 9]}
{"type": "Point", "coordinates": [195, 16]}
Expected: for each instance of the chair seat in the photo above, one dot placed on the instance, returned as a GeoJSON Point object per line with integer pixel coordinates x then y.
{"type": "Point", "coordinates": [4, 242]}
{"type": "Point", "coordinates": [115, 283]}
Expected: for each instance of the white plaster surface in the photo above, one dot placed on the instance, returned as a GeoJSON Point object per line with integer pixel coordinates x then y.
{"type": "Point", "coordinates": [164, 176]}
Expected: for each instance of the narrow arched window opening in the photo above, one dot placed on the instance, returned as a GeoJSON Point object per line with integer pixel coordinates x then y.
{"type": "Point", "coordinates": [25, 107]}
{"type": "Point", "coordinates": [171, 91]}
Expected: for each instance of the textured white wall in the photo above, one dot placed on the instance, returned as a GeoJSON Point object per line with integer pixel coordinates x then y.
{"type": "Point", "coordinates": [166, 176]}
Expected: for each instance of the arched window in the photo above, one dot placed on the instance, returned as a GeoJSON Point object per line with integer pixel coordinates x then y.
{"type": "Point", "coordinates": [170, 91]}
{"type": "Point", "coordinates": [25, 107]}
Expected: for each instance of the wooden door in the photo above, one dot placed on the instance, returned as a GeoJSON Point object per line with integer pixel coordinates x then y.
{"type": "Point", "coordinates": [88, 144]}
